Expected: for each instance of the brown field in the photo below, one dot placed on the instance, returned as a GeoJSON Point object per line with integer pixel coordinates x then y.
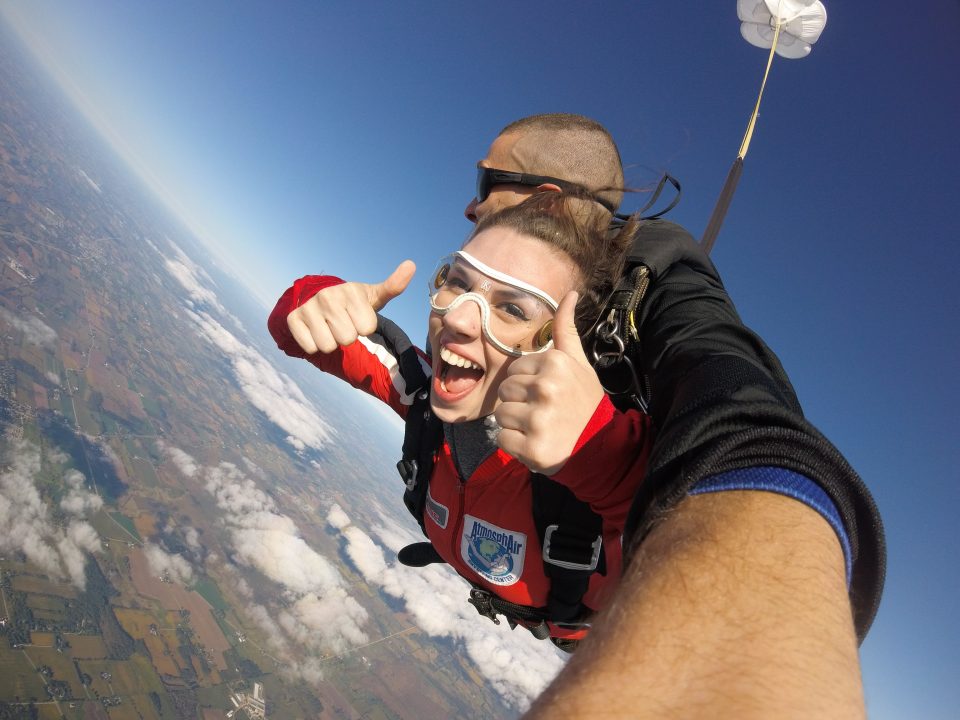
{"type": "Point", "coordinates": [145, 524]}
{"type": "Point", "coordinates": [47, 607]}
{"type": "Point", "coordinates": [17, 678]}
{"type": "Point", "coordinates": [46, 602]}
{"type": "Point", "coordinates": [144, 707]}
{"type": "Point", "coordinates": [93, 669]}
{"type": "Point", "coordinates": [135, 676]}
{"type": "Point", "coordinates": [174, 596]}
{"type": "Point", "coordinates": [86, 646]}
{"type": "Point", "coordinates": [163, 662]}
{"type": "Point", "coordinates": [42, 586]}
{"type": "Point", "coordinates": [124, 712]}
{"type": "Point", "coordinates": [135, 622]}
{"type": "Point", "coordinates": [49, 712]}
{"type": "Point", "coordinates": [40, 397]}
{"type": "Point", "coordinates": [41, 639]}
{"type": "Point", "coordinates": [210, 714]}
{"type": "Point", "coordinates": [61, 665]}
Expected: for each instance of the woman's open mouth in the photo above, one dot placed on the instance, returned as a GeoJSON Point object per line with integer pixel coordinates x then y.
{"type": "Point", "coordinates": [457, 375]}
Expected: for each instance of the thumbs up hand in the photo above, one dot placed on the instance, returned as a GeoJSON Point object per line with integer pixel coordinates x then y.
{"type": "Point", "coordinates": [339, 314]}
{"type": "Point", "coordinates": [547, 399]}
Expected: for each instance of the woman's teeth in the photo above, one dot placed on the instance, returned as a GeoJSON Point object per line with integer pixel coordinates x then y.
{"type": "Point", "coordinates": [451, 358]}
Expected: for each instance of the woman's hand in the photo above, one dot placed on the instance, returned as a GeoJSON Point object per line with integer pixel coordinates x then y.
{"type": "Point", "coordinates": [339, 314]}
{"type": "Point", "coordinates": [547, 399]}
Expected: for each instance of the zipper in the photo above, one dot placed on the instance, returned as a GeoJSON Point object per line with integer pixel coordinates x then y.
{"type": "Point", "coordinates": [458, 531]}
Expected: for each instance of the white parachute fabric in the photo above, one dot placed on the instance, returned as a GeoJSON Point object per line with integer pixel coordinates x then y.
{"type": "Point", "coordinates": [801, 22]}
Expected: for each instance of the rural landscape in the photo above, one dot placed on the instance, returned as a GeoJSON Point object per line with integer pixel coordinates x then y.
{"type": "Point", "coordinates": [179, 533]}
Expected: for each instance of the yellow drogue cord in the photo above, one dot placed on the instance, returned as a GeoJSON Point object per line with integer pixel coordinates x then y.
{"type": "Point", "coordinates": [745, 145]}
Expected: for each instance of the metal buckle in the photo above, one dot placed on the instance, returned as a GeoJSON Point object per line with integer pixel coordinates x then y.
{"type": "Point", "coordinates": [408, 470]}
{"type": "Point", "coordinates": [481, 600]}
{"type": "Point", "coordinates": [594, 558]}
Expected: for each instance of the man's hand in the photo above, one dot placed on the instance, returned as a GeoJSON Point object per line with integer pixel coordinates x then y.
{"type": "Point", "coordinates": [339, 314]}
{"type": "Point", "coordinates": [547, 399]}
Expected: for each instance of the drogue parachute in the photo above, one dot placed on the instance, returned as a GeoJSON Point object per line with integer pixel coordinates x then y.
{"type": "Point", "coordinates": [800, 21]}
{"type": "Point", "coordinates": [789, 28]}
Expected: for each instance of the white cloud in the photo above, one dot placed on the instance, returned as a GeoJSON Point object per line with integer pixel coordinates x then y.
{"type": "Point", "coordinates": [192, 537]}
{"type": "Point", "coordinates": [35, 331]}
{"type": "Point", "coordinates": [514, 663]}
{"type": "Point", "coordinates": [337, 518]}
{"type": "Point", "coordinates": [269, 390]}
{"type": "Point", "coordinates": [79, 500]}
{"type": "Point", "coordinates": [183, 462]}
{"type": "Point", "coordinates": [90, 181]}
{"type": "Point", "coordinates": [193, 278]}
{"type": "Point", "coordinates": [26, 524]}
{"type": "Point", "coordinates": [318, 614]}
{"type": "Point", "coordinates": [163, 564]}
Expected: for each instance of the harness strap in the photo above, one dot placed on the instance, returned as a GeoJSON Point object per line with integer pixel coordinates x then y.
{"type": "Point", "coordinates": [532, 618]}
{"type": "Point", "coordinates": [422, 434]}
{"type": "Point", "coordinates": [422, 431]}
{"type": "Point", "coordinates": [572, 539]}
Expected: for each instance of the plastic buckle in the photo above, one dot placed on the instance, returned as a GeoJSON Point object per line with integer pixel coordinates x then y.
{"type": "Point", "coordinates": [594, 552]}
{"type": "Point", "coordinates": [482, 601]}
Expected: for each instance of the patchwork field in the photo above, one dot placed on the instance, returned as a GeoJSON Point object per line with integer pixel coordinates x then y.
{"type": "Point", "coordinates": [173, 595]}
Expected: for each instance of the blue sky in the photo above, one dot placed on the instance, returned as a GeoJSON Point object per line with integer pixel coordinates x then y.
{"type": "Point", "coordinates": [305, 137]}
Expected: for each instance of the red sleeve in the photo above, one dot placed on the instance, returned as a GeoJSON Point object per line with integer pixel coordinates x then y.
{"type": "Point", "coordinates": [295, 296]}
{"type": "Point", "coordinates": [364, 364]}
{"type": "Point", "coordinates": [609, 461]}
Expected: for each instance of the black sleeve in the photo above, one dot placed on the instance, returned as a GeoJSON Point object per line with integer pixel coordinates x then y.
{"type": "Point", "coordinates": [721, 401]}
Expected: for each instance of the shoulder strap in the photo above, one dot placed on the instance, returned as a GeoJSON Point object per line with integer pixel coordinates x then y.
{"type": "Point", "coordinates": [614, 342]}
{"type": "Point", "coordinates": [572, 539]}
{"type": "Point", "coordinates": [422, 432]}
{"type": "Point", "coordinates": [422, 435]}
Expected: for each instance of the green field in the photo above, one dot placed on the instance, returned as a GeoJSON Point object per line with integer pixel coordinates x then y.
{"type": "Point", "coordinates": [211, 593]}
{"type": "Point", "coordinates": [144, 472]}
{"type": "Point", "coordinates": [127, 524]}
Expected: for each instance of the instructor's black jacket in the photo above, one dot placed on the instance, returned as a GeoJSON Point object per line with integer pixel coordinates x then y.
{"type": "Point", "coordinates": [720, 401]}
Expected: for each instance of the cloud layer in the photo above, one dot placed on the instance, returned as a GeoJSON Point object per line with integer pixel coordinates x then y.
{"type": "Point", "coordinates": [165, 565]}
{"type": "Point", "coordinates": [26, 523]}
{"type": "Point", "coordinates": [516, 665]}
{"type": "Point", "coordinates": [35, 331]}
{"type": "Point", "coordinates": [193, 278]}
{"type": "Point", "coordinates": [316, 612]}
{"type": "Point", "coordinates": [316, 617]}
{"type": "Point", "coordinates": [267, 389]}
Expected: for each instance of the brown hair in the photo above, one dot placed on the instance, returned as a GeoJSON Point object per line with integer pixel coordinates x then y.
{"type": "Point", "coordinates": [576, 149]}
{"type": "Point", "coordinates": [598, 254]}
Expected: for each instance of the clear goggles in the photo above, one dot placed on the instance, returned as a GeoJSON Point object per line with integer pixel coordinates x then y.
{"type": "Point", "coordinates": [517, 318]}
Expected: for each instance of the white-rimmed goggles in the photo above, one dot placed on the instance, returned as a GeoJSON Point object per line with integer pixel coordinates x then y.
{"type": "Point", "coordinates": [517, 318]}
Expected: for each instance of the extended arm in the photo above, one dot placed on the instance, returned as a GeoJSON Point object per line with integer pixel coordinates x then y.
{"type": "Point", "coordinates": [334, 326]}
{"type": "Point", "coordinates": [735, 606]}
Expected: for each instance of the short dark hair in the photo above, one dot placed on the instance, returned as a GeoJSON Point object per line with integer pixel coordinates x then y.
{"type": "Point", "coordinates": [573, 148]}
{"type": "Point", "coordinates": [598, 255]}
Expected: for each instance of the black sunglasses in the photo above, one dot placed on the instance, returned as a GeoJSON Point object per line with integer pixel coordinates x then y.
{"type": "Point", "coordinates": [488, 177]}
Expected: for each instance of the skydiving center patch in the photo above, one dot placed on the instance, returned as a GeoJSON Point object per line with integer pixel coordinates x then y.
{"type": "Point", "coordinates": [494, 553]}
